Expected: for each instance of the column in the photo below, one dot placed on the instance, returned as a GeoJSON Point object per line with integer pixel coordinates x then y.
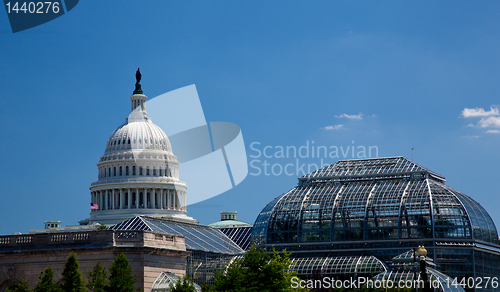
{"type": "Point", "coordinates": [174, 199]}
{"type": "Point", "coordinates": [105, 199]}
{"type": "Point", "coordinates": [165, 199]}
{"type": "Point", "coordinates": [112, 199]}
{"type": "Point", "coordinates": [153, 198]}
{"type": "Point", "coordinates": [122, 199]}
{"type": "Point", "coordinates": [183, 202]}
{"type": "Point", "coordinates": [169, 199]}
{"type": "Point", "coordinates": [160, 202]}
{"type": "Point", "coordinates": [129, 195]}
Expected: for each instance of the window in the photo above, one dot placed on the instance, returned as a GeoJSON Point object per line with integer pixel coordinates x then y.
{"type": "Point", "coordinates": [140, 170]}
{"type": "Point", "coordinates": [109, 171]}
{"type": "Point", "coordinates": [159, 171]}
{"type": "Point", "coordinates": [126, 170]}
{"type": "Point", "coordinates": [121, 171]}
{"type": "Point", "coordinates": [114, 171]}
{"type": "Point", "coordinates": [147, 170]}
{"type": "Point", "coordinates": [133, 170]}
{"type": "Point", "coordinates": [154, 171]}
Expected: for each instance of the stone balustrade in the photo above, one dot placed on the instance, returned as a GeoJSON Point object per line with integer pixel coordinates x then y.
{"type": "Point", "coordinates": [92, 238]}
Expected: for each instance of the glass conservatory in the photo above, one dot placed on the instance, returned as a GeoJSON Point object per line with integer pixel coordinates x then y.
{"type": "Point", "coordinates": [381, 207]}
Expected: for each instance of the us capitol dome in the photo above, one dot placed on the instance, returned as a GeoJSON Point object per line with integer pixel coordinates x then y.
{"type": "Point", "coordinates": [138, 173]}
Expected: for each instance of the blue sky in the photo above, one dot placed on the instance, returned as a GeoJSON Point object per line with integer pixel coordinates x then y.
{"type": "Point", "coordinates": [392, 74]}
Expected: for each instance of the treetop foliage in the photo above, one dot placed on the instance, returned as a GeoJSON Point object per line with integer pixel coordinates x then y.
{"type": "Point", "coordinates": [72, 277]}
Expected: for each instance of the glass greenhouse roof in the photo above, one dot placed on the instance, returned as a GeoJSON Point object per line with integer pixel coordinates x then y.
{"type": "Point", "coordinates": [446, 283]}
{"type": "Point", "coordinates": [395, 199]}
{"type": "Point", "coordinates": [339, 265]}
{"type": "Point", "coordinates": [165, 282]}
{"type": "Point", "coordinates": [371, 168]}
{"type": "Point", "coordinates": [240, 235]}
{"type": "Point", "coordinates": [197, 237]}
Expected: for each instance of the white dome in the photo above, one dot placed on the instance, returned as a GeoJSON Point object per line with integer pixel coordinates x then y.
{"type": "Point", "coordinates": [138, 135]}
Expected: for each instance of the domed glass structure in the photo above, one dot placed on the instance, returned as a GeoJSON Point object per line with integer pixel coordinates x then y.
{"type": "Point", "coordinates": [382, 207]}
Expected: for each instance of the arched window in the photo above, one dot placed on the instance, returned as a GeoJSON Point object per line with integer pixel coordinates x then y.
{"type": "Point", "coordinates": [133, 170]}
{"type": "Point", "coordinates": [147, 170]}
{"type": "Point", "coordinates": [121, 171]}
{"type": "Point", "coordinates": [154, 171]}
{"type": "Point", "coordinates": [160, 171]}
{"type": "Point", "coordinates": [126, 170]}
{"type": "Point", "coordinates": [140, 170]}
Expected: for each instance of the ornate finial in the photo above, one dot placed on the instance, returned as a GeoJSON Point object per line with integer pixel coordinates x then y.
{"type": "Point", "coordinates": [138, 77]}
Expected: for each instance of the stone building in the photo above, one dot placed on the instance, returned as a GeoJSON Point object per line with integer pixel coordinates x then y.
{"type": "Point", "coordinates": [149, 253]}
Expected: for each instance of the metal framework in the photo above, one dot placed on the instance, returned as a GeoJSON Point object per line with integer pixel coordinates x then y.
{"type": "Point", "coordinates": [240, 235]}
{"type": "Point", "coordinates": [210, 248]}
{"type": "Point", "coordinates": [338, 266]}
{"type": "Point", "coordinates": [384, 207]}
{"type": "Point", "coordinates": [165, 282]}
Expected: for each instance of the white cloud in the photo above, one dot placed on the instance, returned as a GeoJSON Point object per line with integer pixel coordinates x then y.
{"type": "Point", "coordinates": [480, 112]}
{"type": "Point", "coordinates": [471, 136]}
{"type": "Point", "coordinates": [489, 122]}
{"type": "Point", "coordinates": [493, 131]}
{"type": "Point", "coordinates": [351, 117]}
{"type": "Point", "coordinates": [333, 127]}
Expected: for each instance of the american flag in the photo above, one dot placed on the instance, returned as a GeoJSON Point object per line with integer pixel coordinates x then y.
{"type": "Point", "coordinates": [94, 206]}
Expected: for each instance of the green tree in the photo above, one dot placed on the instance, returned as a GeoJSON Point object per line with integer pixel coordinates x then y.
{"type": "Point", "coordinates": [72, 277]}
{"type": "Point", "coordinates": [183, 285]}
{"type": "Point", "coordinates": [97, 278]}
{"type": "Point", "coordinates": [22, 287]}
{"type": "Point", "coordinates": [257, 271]}
{"type": "Point", "coordinates": [121, 278]}
{"type": "Point", "coordinates": [46, 283]}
